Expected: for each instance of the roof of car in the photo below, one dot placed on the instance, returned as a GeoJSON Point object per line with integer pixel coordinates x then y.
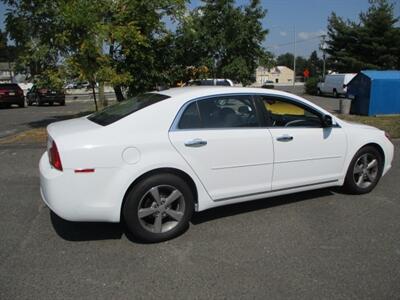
{"type": "Point", "coordinates": [202, 91]}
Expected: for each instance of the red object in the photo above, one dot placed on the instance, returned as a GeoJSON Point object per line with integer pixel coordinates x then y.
{"type": "Point", "coordinates": [84, 170]}
{"type": "Point", "coordinates": [306, 73]}
{"type": "Point", "coordinates": [55, 159]}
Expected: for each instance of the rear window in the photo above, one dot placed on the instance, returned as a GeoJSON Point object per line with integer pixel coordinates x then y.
{"type": "Point", "coordinates": [122, 109]}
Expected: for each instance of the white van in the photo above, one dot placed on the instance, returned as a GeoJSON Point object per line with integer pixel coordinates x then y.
{"type": "Point", "coordinates": [335, 84]}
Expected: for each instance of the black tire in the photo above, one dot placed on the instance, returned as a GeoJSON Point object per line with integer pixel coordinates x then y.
{"type": "Point", "coordinates": [319, 92]}
{"type": "Point", "coordinates": [350, 183]}
{"type": "Point", "coordinates": [29, 103]}
{"type": "Point", "coordinates": [62, 103]}
{"type": "Point", "coordinates": [335, 93]}
{"type": "Point", "coordinates": [141, 197]}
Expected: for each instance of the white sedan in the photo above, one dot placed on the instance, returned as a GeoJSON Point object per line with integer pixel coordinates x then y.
{"type": "Point", "coordinates": [153, 160]}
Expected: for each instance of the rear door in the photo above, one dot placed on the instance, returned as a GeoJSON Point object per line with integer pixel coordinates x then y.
{"type": "Point", "coordinates": [305, 153]}
{"type": "Point", "coordinates": [221, 139]}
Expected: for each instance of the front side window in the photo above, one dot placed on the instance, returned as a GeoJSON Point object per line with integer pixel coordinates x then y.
{"type": "Point", "coordinates": [281, 113]}
{"type": "Point", "coordinates": [122, 109]}
{"type": "Point", "coordinates": [220, 112]}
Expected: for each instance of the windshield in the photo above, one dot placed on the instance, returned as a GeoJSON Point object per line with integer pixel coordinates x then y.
{"type": "Point", "coordinates": [122, 109]}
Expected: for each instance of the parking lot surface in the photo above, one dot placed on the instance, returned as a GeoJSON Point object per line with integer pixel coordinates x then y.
{"type": "Point", "coordinates": [313, 245]}
{"type": "Point", "coordinates": [320, 244]}
{"type": "Point", "coordinates": [15, 119]}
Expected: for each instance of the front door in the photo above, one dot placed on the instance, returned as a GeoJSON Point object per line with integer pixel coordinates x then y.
{"type": "Point", "coordinates": [305, 153]}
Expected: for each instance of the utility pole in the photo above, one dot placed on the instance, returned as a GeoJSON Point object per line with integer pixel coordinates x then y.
{"type": "Point", "coordinates": [322, 47]}
{"type": "Point", "coordinates": [294, 56]}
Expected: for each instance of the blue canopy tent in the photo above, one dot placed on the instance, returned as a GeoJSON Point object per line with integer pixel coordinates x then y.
{"type": "Point", "coordinates": [375, 93]}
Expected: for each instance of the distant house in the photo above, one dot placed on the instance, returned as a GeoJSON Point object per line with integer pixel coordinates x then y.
{"type": "Point", "coordinates": [279, 74]}
{"type": "Point", "coordinates": [375, 93]}
{"type": "Point", "coordinates": [6, 71]}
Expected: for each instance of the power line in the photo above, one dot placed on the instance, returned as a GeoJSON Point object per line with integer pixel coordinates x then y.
{"type": "Point", "coordinates": [298, 41]}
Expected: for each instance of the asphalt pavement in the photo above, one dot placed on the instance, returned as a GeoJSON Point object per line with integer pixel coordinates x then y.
{"type": "Point", "coordinates": [314, 245]}
{"type": "Point", "coordinates": [15, 119]}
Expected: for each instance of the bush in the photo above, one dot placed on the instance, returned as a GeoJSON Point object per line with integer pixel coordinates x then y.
{"type": "Point", "coordinates": [311, 85]}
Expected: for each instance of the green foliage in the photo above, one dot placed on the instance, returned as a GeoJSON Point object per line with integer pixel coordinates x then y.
{"type": "Point", "coordinates": [313, 63]}
{"type": "Point", "coordinates": [126, 43]}
{"type": "Point", "coordinates": [51, 79]}
{"type": "Point", "coordinates": [285, 60]}
{"type": "Point", "coordinates": [33, 26]}
{"type": "Point", "coordinates": [371, 43]}
{"type": "Point", "coordinates": [311, 86]}
{"type": "Point", "coordinates": [225, 38]}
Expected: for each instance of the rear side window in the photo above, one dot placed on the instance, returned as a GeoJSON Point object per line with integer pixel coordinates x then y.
{"type": "Point", "coordinates": [122, 109]}
{"type": "Point", "coordinates": [220, 112]}
{"type": "Point", "coordinates": [190, 118]}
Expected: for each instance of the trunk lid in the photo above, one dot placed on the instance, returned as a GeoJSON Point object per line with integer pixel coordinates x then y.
{"type": "Point", "coordinates": [71, 127]}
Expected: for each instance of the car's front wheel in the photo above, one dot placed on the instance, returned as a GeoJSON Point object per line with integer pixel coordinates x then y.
{"type": "Point", "coordinates": [158, 208]}
{"type": "Point", "coordinates": [364, 171]}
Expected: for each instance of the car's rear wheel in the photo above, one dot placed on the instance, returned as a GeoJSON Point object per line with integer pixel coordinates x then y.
{"type": "Point", "coordinates": [335, 93]}
{"type": "Point", "coordinates": [319, 92]}
{"type": "Point", "coordinates": [158, 208]}
{"type": "Point", "coordinates": [364, 171]}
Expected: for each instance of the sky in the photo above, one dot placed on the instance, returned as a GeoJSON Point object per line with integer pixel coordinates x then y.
{"type": "Point", "coordinates": [308, 18]}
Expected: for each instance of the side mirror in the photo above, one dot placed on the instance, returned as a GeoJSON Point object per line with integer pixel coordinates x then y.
{"type": "Point", "coordinates": [327, 121]}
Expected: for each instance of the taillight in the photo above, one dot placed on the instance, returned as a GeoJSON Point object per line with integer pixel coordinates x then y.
{"type": "Point", "coordinates": [54, 155]}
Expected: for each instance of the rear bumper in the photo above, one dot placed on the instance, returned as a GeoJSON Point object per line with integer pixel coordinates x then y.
{"type": "Point", "coordinates": [58, 99]}
{"type": "Point", "coordinates": [12, 100]}
{"type": "Point", "coordinates": [75, 197]}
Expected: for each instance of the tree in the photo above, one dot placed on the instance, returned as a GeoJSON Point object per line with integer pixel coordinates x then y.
{"type": "Point", "coordinates": [372, 43]}
{"type": "Point", "coordinates": [286, 59]}
{"type": "Point", "coordinates": [121, 42]}
{"type": "Point", "coordinates": [32, 25]}
{"type": "Point", "coordinates": [224, 38]}
{"type": "Point", "coordinates": [314, 64]}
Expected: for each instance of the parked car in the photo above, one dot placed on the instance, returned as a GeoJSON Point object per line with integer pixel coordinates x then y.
{"type": "Point", "coordinates": [335, 84]}
{"type": "Point", "coordinates": [153, 160]}
{"type": "Point", "coordinates": [40, 96]}
{"type": "Point", "coordinates": [70, 85]}
{"type": "Point", "coordinates": [11, 93]}
{"type": "Point", "coordinates": [269, 84]}
{"type": "Point", "coordinates": [210, 82]}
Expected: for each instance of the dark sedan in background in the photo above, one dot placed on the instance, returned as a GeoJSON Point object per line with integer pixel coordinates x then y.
{"type": "Point", "coordinates": [11, 93]}
{"type": "Point", "coordinates": [41, 96]}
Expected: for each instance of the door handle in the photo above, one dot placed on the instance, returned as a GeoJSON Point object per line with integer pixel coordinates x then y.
{"type": "Point", "coordinates": [284, 138]}
{"type": "Point", "coordinates": [196, 143]}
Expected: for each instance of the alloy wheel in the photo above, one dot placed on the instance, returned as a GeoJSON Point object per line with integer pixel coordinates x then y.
{"type": "Point", "coordinates": [365, 170]}
{"type": "Point", "coordinates": [161, 209]}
